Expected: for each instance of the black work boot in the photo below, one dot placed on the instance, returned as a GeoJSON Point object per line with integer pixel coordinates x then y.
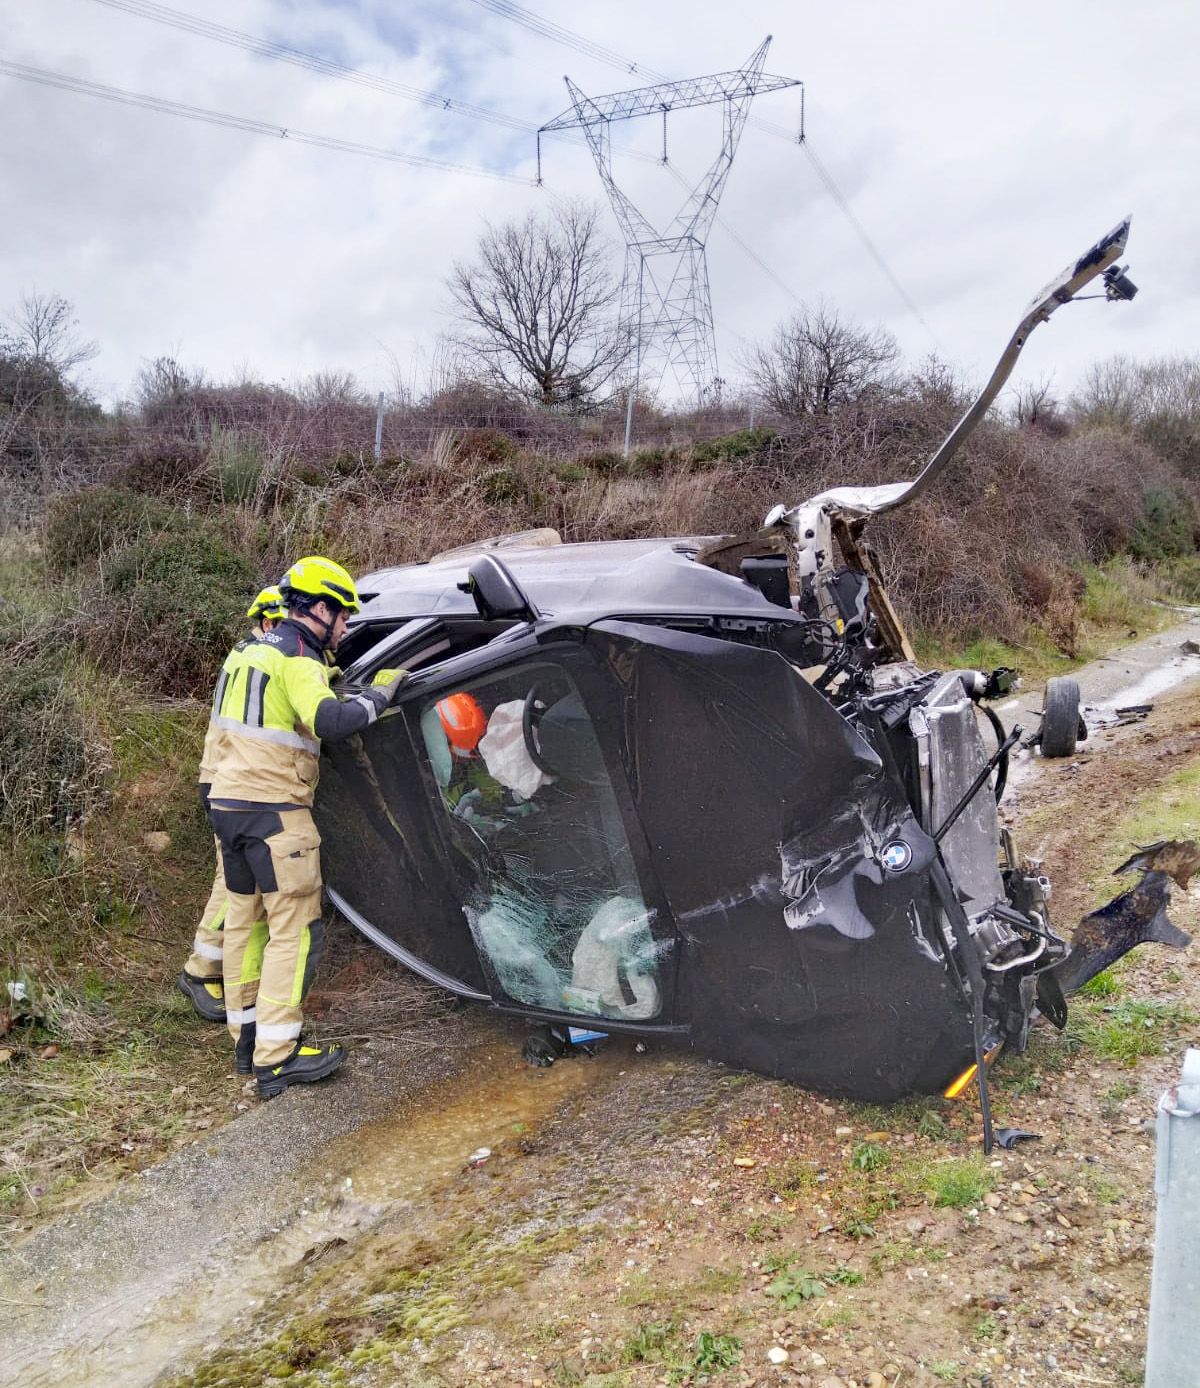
{"type": "Point", "coordinates": [305, 1065]}
{"type": "Point", "coordinates": [243, 1056]}
{"type": "Point", "coordinates": [207, 995]}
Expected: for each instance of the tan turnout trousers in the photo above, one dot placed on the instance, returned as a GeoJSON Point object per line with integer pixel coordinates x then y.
{"type": "Point", "coordinates": [272, 867]}
{"type": "Point", "coordinates": [208, 946]}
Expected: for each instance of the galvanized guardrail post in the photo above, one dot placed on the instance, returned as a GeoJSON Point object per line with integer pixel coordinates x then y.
{"type": "Point", "coordinates": [1173, 1340]}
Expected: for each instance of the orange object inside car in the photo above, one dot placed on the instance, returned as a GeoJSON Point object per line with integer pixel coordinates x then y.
{"type": "Point", "coordinates": [464, 721]}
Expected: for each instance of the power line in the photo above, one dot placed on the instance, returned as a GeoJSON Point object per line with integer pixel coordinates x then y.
{"type": "Point", "coordinates": [506, 9]}
{"type": "Point", "coordinates": [746, 247]}
{"type": "Point", "coordinates": [325, 67]}
{"type": "Point", "coordinates": [312, 62]}
{"type": "Point", "coordinates": [273, 129]}
{"type": "Point", "coordinates": [872, 250]}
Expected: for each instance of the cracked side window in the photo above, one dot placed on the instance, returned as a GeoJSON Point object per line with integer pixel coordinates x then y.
{"type": "Point", "coordinates": [547, 874]}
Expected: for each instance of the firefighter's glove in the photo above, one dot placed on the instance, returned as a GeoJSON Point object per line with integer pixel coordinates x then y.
{"type": "Point", "coordinates": [389, 683]}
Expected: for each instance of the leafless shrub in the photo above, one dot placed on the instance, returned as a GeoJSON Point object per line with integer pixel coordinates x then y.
{"type": "Point", "coordinates": [324, 388]}
{"type": "Point", "coordinates": [817, 362]}
{"type": "Point", "coordinates": [1158, 400]}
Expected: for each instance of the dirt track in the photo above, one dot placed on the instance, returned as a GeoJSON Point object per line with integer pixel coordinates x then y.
{"type": "Point", "coordinates": [634, 1203]}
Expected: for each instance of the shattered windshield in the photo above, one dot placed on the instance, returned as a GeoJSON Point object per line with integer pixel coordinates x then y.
{"type": "Point", "coordinates": [548, 878]}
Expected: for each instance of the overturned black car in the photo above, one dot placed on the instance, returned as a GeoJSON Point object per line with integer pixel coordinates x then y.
{"type": "Point", "coordinates": [708, 793]}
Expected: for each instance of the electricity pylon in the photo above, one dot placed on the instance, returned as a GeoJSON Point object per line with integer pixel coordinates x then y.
{"type": "Point", "coordinates": [666, 307]}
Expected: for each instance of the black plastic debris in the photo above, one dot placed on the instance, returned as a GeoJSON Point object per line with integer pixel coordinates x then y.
{"type": "Point", "coordinates": [1009, 1137]}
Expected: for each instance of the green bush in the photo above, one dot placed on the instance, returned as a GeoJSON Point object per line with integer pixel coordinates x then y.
{"type": "Point", "coordinates": [53, 766]}
{"type": "Point", "coordinates": [236, 465]}
{"type": "Point", "coordinates": [170, 608]}
{"type": "Point", "coordinates": [1183, 577]}
{"type": "Point", "coordinates": [482, 447]}
{"type": "Point", "coordinates": [501, 486]}
{"type": "Point", "coordinates": [745, 444]}
{"type": "Point", "coordinates": [1166, 526]}
{"type": "Point", "coordinates": [84, 525]}
{"type": "Point", "coordinates": [163, 466]}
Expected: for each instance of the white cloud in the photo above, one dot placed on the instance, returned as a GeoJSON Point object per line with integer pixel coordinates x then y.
{"type": "Point", "coordinates": [982, 147]}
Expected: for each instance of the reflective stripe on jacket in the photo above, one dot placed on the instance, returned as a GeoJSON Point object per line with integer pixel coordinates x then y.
{"type": "Point", "coordinates": [265, 722]}
{"type": "Point", "coordinates": [210, 756]}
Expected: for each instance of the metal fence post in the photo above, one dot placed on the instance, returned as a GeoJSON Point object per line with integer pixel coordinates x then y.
{"type": "Point", "coordinates": [379, 427]}
{"type": "Point", "coordinates": [1173, 1339]}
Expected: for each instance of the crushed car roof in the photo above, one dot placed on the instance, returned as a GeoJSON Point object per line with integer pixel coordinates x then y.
{"type": "Point", "coordinates": [590, 580]}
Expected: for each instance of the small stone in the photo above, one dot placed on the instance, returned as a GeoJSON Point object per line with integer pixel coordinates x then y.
{"type": "Point", "coordinates": [891, 1371]}
{"type": "Point", "coordinates": [992, 1200]}
{"type": "Point", "coordinates": [156, 841]}
{"type": "Point", "coordinates": [875, 1380]}
{"type": "Point", "coordinates": [817, 1360]}
{"type": "Point", "coordinates": [745, 1161]}
{"type": "Point", "coordinates": [778, 1355]}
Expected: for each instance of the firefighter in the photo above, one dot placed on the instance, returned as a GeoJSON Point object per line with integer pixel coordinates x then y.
{"type": "Point", "coordinates": [272, 707]}
{"type": "Point", "coordinates": [200, 981]}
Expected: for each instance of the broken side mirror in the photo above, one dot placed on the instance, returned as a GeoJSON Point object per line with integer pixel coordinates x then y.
{"type": "Point", "coordinates": [1117, 284]}
{"type": "Point", "coordinates": [497, 594]}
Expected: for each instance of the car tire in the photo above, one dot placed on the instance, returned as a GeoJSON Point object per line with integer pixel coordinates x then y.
{"type": "Point", "coordinates": [542, 1048]}
{"type": "Point", "coordinates": [1060, 717]}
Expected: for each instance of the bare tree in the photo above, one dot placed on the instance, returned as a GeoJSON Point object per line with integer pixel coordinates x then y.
{"type": "Point", "coordinates": [1158, 400]}
{"type": "Point", "coordinates": [539, 306]}
{"type": "Point", "coordinates": [30, 384]}
{"type": "Point", "coordinates": [164, 380]}
{"type": "Point", "coordinates": [47, 328]}
{"type": "Point", "coordinates": [1109, 393]}
{"type": "Point", "coordinates": [816, 361]}
{"type": "Point", "coordinates": [1034, 404]}
{"type": "Point", "coordinates": [331, 387]}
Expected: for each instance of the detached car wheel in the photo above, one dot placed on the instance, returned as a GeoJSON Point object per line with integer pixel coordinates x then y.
{"type": "Point", "coordinates": [1060, 717]}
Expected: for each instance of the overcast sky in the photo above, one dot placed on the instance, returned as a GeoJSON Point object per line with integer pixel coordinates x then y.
{"type": "Point", "coordinates": [981, 146]}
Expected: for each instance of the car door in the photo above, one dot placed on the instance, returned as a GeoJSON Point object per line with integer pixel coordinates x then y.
{"type": "Point", "coordinates": [516, 868]}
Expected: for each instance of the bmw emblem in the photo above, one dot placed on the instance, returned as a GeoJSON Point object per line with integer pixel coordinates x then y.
{"type": "Point", "coordinates": [896, 855]}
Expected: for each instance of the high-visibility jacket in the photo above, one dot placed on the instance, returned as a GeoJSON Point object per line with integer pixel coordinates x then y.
{"type": "Point", "coordinates": [210, 754]}
{"type": "Point", "coordinates": [271, 708]}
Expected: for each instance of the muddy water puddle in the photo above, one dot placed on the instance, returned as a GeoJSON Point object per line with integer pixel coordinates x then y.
{"type": "Point", "coordinates": [1154, 683]}
{"type": "Point", "coordinates": [419, 1152]}
{"type": "Point", "coordinates": [402, 1156]}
